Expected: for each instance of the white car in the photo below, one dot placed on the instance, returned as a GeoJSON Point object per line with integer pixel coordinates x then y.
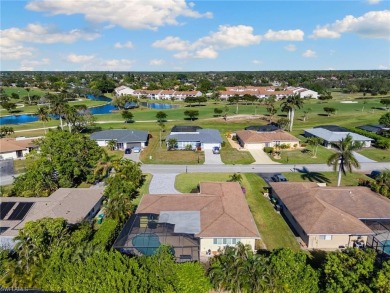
{"type": "Point", "coordinates": [136, 149]}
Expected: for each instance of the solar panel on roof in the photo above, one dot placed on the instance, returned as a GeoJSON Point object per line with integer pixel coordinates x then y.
{"type": "Point", "coordinates": [5, 207]}
{"type": "Point", "coordinates": [21, 210]}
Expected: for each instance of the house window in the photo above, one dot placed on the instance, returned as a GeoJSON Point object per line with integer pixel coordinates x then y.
{"type": "Point", "coordinates": [325, 237]}
{"type": "Point", "coordinates": [226, 241]}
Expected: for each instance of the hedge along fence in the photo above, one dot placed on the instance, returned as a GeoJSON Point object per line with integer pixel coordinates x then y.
{"type": "Point", "coordinates": [107, 233]}
{"type": "Point", "coordinates": [380, 141]}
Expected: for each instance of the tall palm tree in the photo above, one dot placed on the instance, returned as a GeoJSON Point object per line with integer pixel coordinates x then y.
{"type": "Point", "coordinates": [43, 115]}
{"type": "Point", "coordinates": [58, 108]}
{"type": "Point", "coordinates": [118, 207]}
{"type": "Point", "coordinates": [344, 158]}
{"type": "Point", "coordinates": [289, 105]}
{"type": "Point", "coordinates": [71, 115]}
{"type": "Point", "coordinates": [28, 94]}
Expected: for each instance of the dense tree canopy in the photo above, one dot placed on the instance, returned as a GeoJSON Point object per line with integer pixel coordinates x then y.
{"type": "Point", "coordinates": [65, 160]}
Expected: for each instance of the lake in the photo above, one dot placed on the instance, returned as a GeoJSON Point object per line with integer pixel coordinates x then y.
{"type": "Point", "coordinates": [103, 109]}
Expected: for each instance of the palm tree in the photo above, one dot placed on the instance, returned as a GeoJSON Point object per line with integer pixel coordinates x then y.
{"type": "Point", "coordinates": [43, 115]}
{"type": "Point", "coordinates": [315, 142]}
{"type": "Point", "coordinates": [111, 144]}
{"type": "Point", "coordinates": [28, 94]}
{"type": "Point", "coordinates": [71, 115]}
{"type": "Point", "coordinates": [118, 207]}
{"type": "Point", "coordinates": [58, 108]}
{"type": "Point", "coordinates": [289, 105]}
{"type": "Point", "coordinates": [103, 167]}
{"type": "Point", "coordinates": [344, 158]}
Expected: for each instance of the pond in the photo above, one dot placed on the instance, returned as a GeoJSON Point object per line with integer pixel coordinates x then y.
{"type": "Point", "coordinates": [103, 109]}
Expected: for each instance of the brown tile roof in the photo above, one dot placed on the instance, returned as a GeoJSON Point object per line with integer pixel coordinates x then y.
{"type": "Point", "coordinates": [250, 136]}
{"type": "Point", "coordinates": [331, 210]}
{"type": "Point", "coordinates": [224, 211]}
{"type": "Point", "coordinates": [11, 144]}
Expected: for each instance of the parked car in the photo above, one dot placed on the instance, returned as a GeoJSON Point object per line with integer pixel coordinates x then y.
{"type": "Point", "coordinates": [136, 149]}
{"type": "Point", "coordinates": [216, 150]}
{"type": "Point", "coordinates": [375, 174]}
{"type": "Point", "coordinates": [279, 178]}
{"type": "Point", "coordinates": [127, 151]}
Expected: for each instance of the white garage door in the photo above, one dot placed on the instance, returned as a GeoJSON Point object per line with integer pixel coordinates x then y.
{"type": "Point", "coordinates": [209, 146]}
{"type": "Point", "coordinates": [257, 146]}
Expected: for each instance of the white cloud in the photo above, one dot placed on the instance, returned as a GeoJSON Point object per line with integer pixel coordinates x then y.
{"type": "Point", "coordinates": [134, 14]}
{"type": "Point", "coordinates": [30, 65]}
{"type": "Point", "coordinates": [207, 47]}
{"type": "Point", "coordinates": [172, 44]}
{"type": "Point", "coordinates": [206, 53]}
{"type": "Point", "coordinates": [156, 62]}
{"type": "Point", "coordinates": [127, 45]}
{"type": "Point", "coordinates": [37, 33]}
{"type": "Point", "coordinates": [110, 65]}
{"type": "Point", "coordinates": [373, 24]}
{"type": "Point", "coordinates": [284, 35]}
{"type": "Point", "coordinates": [15, 52]}
{"type": "Point", "coordinates": [373, 2]}
{"type": "Point", "coordinates": [12, 39]}
{"type": "Point", "coordinates": [383, 67]}
{"type": "Point", "coordinates": [309, 54]}
{"type": "Point", "coordinates": [290, 48]}
{"type": "Point", "coordinates": [73, 58]}
{"type": "Point", "coordinates": [230, 36]}
{"type": "Point", "coordinates": [257, 61]}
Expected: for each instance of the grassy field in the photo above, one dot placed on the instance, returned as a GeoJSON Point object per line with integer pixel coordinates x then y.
{"type": "Point", "coordinates": [187, 182]}
{"type": "Point", "coordinates": [330, 178]}
{"type": "Point", "coordinates": [274, 230]}
{"type": "Point", "coordinates": [154, 154]}
{"type": "Point", "coordinates": [378, 155]}
{"type": "Point", "coordinates": [230, 155]}
{"type": "Point", "coordinates": [304, 156]}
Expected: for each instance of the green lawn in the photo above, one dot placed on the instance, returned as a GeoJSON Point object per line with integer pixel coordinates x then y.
{"type": "Point", "coordinates": [230, 155]}
{"type": "Point", "coordinates": [304, 156]}
{"type": "Point", "coordinates": [143, 190]}
{"type": "Point", "coordinates": [378, 155]}
{"type": "Point", "coordinates": [274, 230]}
{"type": "Point", "coordinates": [186, 182]}
{"type": "Point", "coordinates": [154, 154]}
{"type": "Point", "coordinates": [330, 178]}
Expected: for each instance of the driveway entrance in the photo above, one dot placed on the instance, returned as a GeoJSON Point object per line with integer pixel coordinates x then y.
{"type": "Point", "coordinates": [261, 157]}
{"type": "Point", "coordinates": [210, 158]}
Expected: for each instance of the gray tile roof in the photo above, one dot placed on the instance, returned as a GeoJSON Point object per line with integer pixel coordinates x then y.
{"type": "Point", "coordinates": [121, 135]}
{"type": "Point", "coordinates": [204, 136]}
{"type": "Point", "coordinates": [335, 136]}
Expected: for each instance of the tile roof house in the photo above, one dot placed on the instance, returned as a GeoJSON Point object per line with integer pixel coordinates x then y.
{"type": "Point", "coordinates": [330, 137]}
{"type": "Point", "coordinates": [16, 148]}
{"type": "Point", "coordinates": [216, 216]}
{"type": "Point", "coordinates": [198, 138]}
{"type": "Point", "coordinates": [330, 217]}
{"type": "Point", "coordinates": [125, 138]}
{"type": "Point", "coordinates": [266, 91]}
{"type": "Point", "coordinates": [166, 94]}
{"type": "Point", "coordinates": [250, 139]}
{"type": "Point", "coordinates": [72, 204]}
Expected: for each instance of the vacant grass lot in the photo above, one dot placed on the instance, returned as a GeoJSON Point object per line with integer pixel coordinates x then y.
{"type": "Point", "coordinates": [330, 178]}
{"type": "Point", "coordinates": [378, 155]}
{"type": "Point", "coordinates": [154, 154]}
{"type": "Point", "coordinates": [273, 229]}
{"type": "Point", "coordinates": [304, 156]}
{"type": "Point", "coordinates": [230, 155]}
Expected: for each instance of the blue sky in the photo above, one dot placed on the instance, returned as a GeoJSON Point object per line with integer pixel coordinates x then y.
{"type": "Point", "coordinates": [179, 35]}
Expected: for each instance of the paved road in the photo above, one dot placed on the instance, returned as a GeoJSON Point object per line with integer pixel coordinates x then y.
{"type": "Point", "coordinates": [161, 169]}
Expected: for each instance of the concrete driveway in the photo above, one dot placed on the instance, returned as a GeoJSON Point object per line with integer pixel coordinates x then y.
{"type": "Point", "coordinates": [362, 159]}
{"type": "Point", "coordinates": [261, 157]}
{"type": "Point", "coordinates": [133, 156]}
{"type": "Point", "coordinates": [210, 158]}
{"type": "Point", "coordinates": [163, 184]}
